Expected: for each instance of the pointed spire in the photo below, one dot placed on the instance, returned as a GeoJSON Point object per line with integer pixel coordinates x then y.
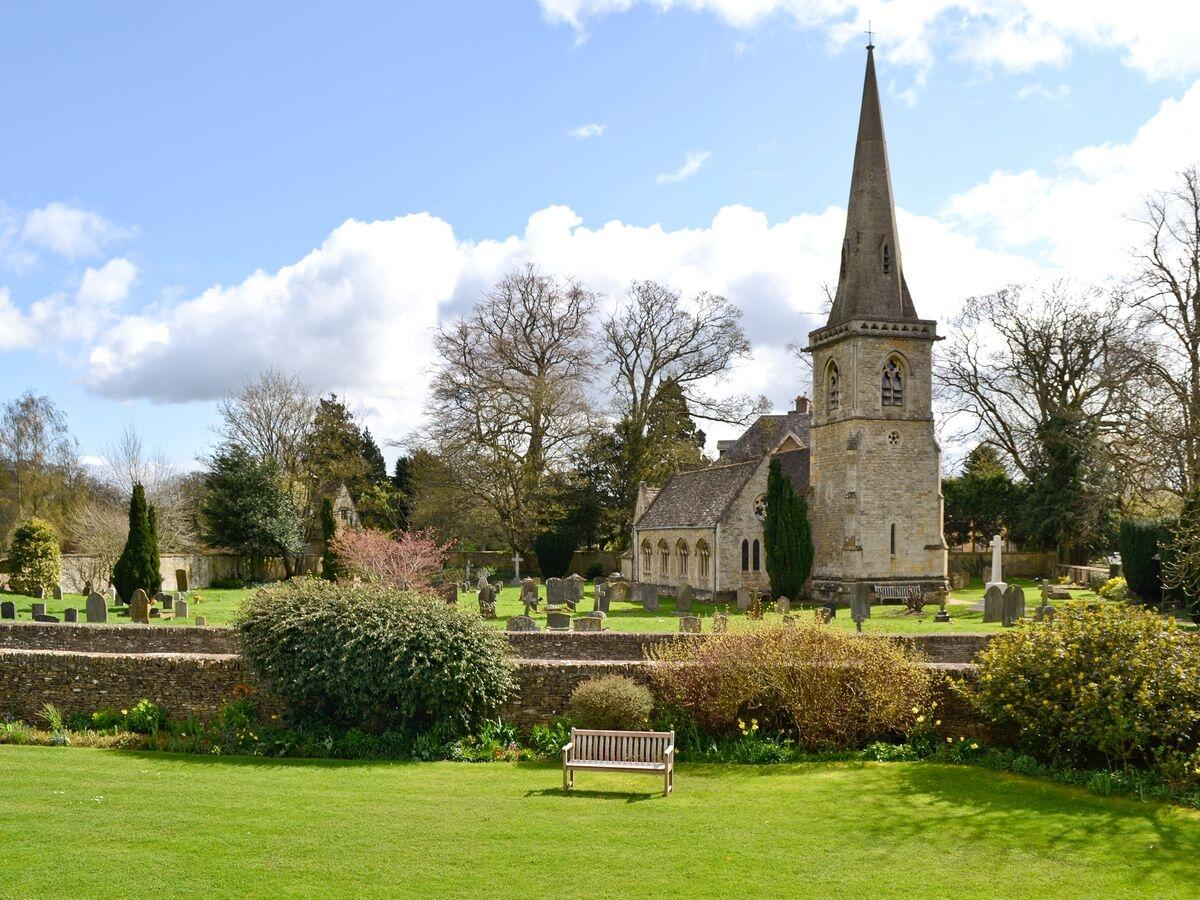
{"type": "Point", "coordinates": [871, 280]}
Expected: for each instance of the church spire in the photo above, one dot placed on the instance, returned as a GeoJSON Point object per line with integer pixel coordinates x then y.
{"type": "Point", "coordinates": [871, 280]}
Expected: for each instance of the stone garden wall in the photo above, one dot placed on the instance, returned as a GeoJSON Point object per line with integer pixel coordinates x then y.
{"type": "Point", "coordinates": [1033, 564]}
{"type": "Point", "coordinates": [203, 569]}
{"type": "Point", "coordinates": [132, 639]}
{"type": "Point", "coordinates": [501, 561]}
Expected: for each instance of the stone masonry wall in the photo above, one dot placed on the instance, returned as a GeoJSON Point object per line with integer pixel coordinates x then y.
{"type": "Point", "coordinates": [131, 639]}
{"type": "Point", "coordinates": [738, 524]}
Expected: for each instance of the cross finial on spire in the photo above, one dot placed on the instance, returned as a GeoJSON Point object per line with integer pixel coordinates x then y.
{"type": "Point", "coordinates": [870, 36]}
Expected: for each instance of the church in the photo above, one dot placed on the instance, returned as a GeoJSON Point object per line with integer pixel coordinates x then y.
{"type": "Point", "coordinates": [863, 452]}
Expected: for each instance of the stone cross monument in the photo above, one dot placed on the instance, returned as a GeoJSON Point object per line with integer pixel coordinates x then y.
{"type": "Point", "coordinates": [997, 574]}
{"type": "Point", "coordinates": [517, 559]}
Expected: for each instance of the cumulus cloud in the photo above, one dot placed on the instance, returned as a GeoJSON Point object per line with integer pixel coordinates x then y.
{"type": "Point", "coordinates": [64, 316]}
{"type": "Point", "coordinates": [1156, 37]}
{"type": "Point", "coordinates": [590, 130]}
{"type": "Point", "coordinates": [691, 165]}
{"type": "Point", "coordinates": [1039, 91]}
{"type": "Point", "coordinates": [70, 231]}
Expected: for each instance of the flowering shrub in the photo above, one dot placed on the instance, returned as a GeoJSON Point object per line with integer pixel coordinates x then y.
{"type": "Point", "coordinates": [825, 689]}
{"type": "Point", "coordinates": [145, 717]}
{"type": "Point", "coordinates": [611, 702]}
{"type": "Point", "coordinates": [1112, 685]}
{"type": "Point", "coordinates": [408, 562]}
{"type": "Point", "coordinates": [1114, 589]}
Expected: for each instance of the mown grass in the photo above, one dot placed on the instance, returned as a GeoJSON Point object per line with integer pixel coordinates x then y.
{"type": "Point", "coordinates": [86, 823]}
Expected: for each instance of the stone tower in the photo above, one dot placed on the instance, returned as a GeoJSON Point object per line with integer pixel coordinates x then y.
{"type": "Point", "coordinates": [876, 502]}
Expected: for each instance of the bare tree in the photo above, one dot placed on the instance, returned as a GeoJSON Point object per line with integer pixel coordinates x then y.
{"type": "Point", "coordinates": [507, 400]}
{"type": "Point", "coordinates": [40, 472]}
{"type": "Point", "coordinates": [127, 461]}
{"type": "Point", "coordinates": [271, 417]}
{"type": "Point", "coordinates": [98, 529]}
{"type": "Point", "coordinates": [1164, 291]}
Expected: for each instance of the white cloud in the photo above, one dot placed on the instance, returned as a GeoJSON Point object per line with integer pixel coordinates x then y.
{"type": "Point", "coordinates": [69, 231]}
{"type": "Point", "coordinates": [691, 165]}
{"type": "Point", "coordinates": [590, 130]}
{"type": "Point", "coordinates": [61, 318]}
{"type": "Point", "coordinates": [1156, 37]}
{"type": "Point", "coordinates": [16, 331]}
{"type": "Point", "coordinates": [1041, 92]}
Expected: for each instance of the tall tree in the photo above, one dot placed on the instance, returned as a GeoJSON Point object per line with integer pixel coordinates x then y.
{"type": "Point", "coordinates": [127, 461]}
{"type": "Point", "coordinates": [272, 417]}
{"type": "Point", "coordinates": [402, 484]}
{"type": "Point", "coordinates": [135, 569]}
{"type": "Point", "coordinates": [983, 501]}
{"type": "Point", "coordinates": [667, 355]}
{"type": "Point", "coordinates": [787, 535]}
{"type": "Point", "coordinates": [40, 472]}
{"type": "Point", "coordinates": [508, 402]}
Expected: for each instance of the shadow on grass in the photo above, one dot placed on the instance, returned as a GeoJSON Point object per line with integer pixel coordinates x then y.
{"type": "Point", "coordinates": [577, 793]}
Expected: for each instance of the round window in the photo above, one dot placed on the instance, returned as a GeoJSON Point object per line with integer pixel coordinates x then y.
{"type": "Point", "coordinates": [894, 439]}
{"type": "Point", "coordinates": [760, 507]}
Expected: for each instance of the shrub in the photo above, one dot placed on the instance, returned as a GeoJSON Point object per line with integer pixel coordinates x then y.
{"type": "Point", "coordinates": [1140, 543]}
{"type": "Point", "coordinates": [34, 557]}
{"type": "Point", "coordinates": [409, 562]}
{"type": "Point", "coordinates": [1114, 589]}
{"type": "Point", "coordinates": [366, 656]}
{"type": "Point", "coordinates": [828, 689]}
{"type": "Point", "coordinates": [134, 568]}
{"type": "Point", "coordinates": [594, 571]}
{"type": "Point", "coordinates": [1116, 685]}
{"type": "Point", "coordinates": [232, 583]}
{"type": "Point", "coordinates": [554, 550]}
{"type": "Point", "coordinates": [611, 702]}
{"type": "Point", "coordinates": [146, 717]}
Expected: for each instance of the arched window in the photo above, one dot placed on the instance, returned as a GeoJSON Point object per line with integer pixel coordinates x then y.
{"type": "Point", "coordinates": [893, 539]}
{"type": "Point", "coordinates": [893, 384]}
{"type": "Point", "coordinates": [681, 557]}
{"type": "Point", "coordinates": [887, 258]}
{"type": "Point", "coordinates": [833, 381]}
{"type": "Point", "coordinates": [702, 557]}
{"type": "Point", "coordinates": [745, 556]}
{"type": "Point", "coordinates": [756, 559]}
{"type": "Point", "coordinates": [647, 558]}
{"type": "Point", "coordinates": [664, 553]}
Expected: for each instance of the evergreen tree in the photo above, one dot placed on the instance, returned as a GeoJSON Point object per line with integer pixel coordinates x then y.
{"type": "Point", "coordinates": [402, 483]}
{"type": "Point", "coordinates": [1181, 556]}
{"type": "Point", "coordinates": [787, 535]}
{"type": "Point", "coordinates": [153, 565]}
{"type": "Point", "coordinates": [1140, 544]}
{"type": "Point", "coordinates": [983, 501]}
{"type": "Point", "coordinates": [132, 570]}
{"type": "Point", "coordinates": [330, 565]}
{"type": "Point", "coordinates": [34, 557]}
{"type": "Point", "coordinates": [373, 458]}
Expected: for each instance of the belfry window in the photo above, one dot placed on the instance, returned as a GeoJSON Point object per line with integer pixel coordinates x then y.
{"type": "Point", "coordinates": [835, 387]}
{"type": "Point", "coordinates": [893, 384]}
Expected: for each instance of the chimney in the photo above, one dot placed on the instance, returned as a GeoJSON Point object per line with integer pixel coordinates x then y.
{"type": "Point", "coordinates": [803, 405]}
{"type": "Point", "coordinates": [724, 447]}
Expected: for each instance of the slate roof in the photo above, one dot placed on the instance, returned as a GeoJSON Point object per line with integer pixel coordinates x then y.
{"type": "Point", "coordinates": [766, 433]}
{"type": "Point", "coordinates": [795, 466]}
{"type": "Point", "coordinates": [697, 499]}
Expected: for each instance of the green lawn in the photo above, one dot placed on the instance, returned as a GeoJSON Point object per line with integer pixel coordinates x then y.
{"type": "Point", "coordinates": [217, 606]}
{"type": "Point", "coordinates": [103, 823]}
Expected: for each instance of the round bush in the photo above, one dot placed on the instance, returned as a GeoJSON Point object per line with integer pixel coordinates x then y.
{"type": "Point", "coordinates": [1114, 589]}
{"type": "Point", "coordinates": [1101, 685]}
{"type": "Point", "coordinates": [34, 556]}
{"type": "Point", "coordinates": [825, 688]}
{"type": "Point", "coordinates": [370, 657]}
{"type": "Point", "coordinates": [611, 702]}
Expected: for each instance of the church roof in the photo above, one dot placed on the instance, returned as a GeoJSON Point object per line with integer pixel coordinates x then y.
{"type": "Point", "coordinates": [697, 499]}
{"type": "Point", "coordinates": [795, 466]}
{"type": "Point", "coordinates": [871, 281]}
{"type": "Point", "coordinates": [766, 433]}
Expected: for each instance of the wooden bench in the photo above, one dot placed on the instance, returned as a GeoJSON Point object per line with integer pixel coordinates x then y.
{"type": "Point", "coordinates": [911, 595]}
{"type": "Point", "coordinates": [620, 751]}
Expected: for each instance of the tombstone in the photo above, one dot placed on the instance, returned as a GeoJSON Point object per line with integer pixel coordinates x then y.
{"type": "Point", "coordinates": [529, 595]}
{"type": "Point", "coordinates": [38, 609]}
{"type": "Point", "coordinates": [39, 591]}
{"type": "Point", "coordinates": [487, 601]}
{"type": "Point", "coordinates": [783, 606]}
{"type": "Point", "coordinates": [56, 592]}
{"type": "Point", "coordinates": [600, 592]}
{"type": "Point", "coordinates": [619, 590]}
{"type": "Point", "coordinates": [684, 595]}
{"type": "Point", "coordinates": [993, 603]}
{"type": "Point", "coordinates": [743, 598]}
{"type": "Point", "coordinates": [689, 625]}
{"type": "Point", "coordinates": [1012, 605]}
{"type": "Point", "coordinates": [831, 608]}
{"type": "Point", "coordinates": [521, 623]}
{"type": "Point", "coordinates": [720, 623]}
{"type": "Point", "coordinates": [201, 621]}
{"type": "Point", "coordinates": [517, 559]}
{"type": "Point", "coordinates": [112, 595]}
{"type": "Point", "coordinates": [8, 610]}
{"type": "Point", "coordinates": [650, 597]}
{"type": "Point", "coordinates": [155, 612]}
{"type": "Point", "coordinates": [575, 588]}
{"type": "Point", "coordinates": [588, 623]}
{"type": "Point", "coordinates": [822, 615]}
{"type": "Point", "coordinates": [96, 609]}
{"type": "Point", "coordinates": [860, 600]}
{"type": "Point", "coordinates": [997, 574]}
{"type": "Point", "coordinates": [87, 588]}
{"type": "Point", "coordinates": [181, 581]}
{"type": "Point", "coordinates": [181, 609]}
{"type": "Point", "coordinates": [960, 579]}
{"type": "Point", "coordinates": [42, 617]}
{"type": "Point", "coordinates": [70, 614]}
{"type": "Point", "coordinates": [558, 621]}
{"type": "Point", "coordinates": [167, 600]}
{"type": "Point", "coordinates": [597, 614]}
{"type": "Point", "coordinates": [450, 594]}
{"type": "Point", "coordinates": [482, 581]}
{"type": "Point", "coordinates": [139, 607]}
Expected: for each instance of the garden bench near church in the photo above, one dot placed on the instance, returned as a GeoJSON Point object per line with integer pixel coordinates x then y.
{"type": "Point", "coordinates": [911, 595]}
{"type": "Point", "coordinates": [620, 751]}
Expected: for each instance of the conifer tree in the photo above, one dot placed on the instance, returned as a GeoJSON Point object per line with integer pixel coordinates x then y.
{"type": "Point", "coordinates": [131, 571]}
{"type": "Point", "coordinates": [330, 565]}
{"type": "Point", "coordinates": [153, 568]}
{"type": "Point", "coordinates": [787, 536]}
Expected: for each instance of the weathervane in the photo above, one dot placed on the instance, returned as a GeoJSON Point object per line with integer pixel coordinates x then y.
{"type": "Point", "coordinates": [870, 36]}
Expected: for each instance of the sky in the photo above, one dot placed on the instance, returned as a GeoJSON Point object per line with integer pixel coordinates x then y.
{"type": "Point", "coordinates": [189, 196]}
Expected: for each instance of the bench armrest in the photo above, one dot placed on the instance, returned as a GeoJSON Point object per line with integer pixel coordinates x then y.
{"type": "Point", "coordinates": [568, 747]}
{"type": "Point", "coordinates": [668, 750]}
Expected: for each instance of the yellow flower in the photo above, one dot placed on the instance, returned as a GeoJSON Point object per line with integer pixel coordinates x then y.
{"type": "Point", "coordinates": [949, 740]}
{"type": "Point", "coordinates": [937, 722]}
{"type": "Point", "coordinates": [974, 746]}
{"type": "Point", "coordinates": [124, 712]}
{"type": "Point", "coordinates": [915, 710]}
{"type": "Point", "coordinates": [920, 719]}
{"type": "Point", "coordinates": [741, 724]}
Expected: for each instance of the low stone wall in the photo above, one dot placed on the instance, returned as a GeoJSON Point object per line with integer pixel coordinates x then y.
{"type": "Point", "coordinates": [1021, 564]}
{"type": "Point", "coordinates": [501, 561]}
{"type": "Point", "coordinates": [130, 639]}
{"type": "Point", "coordinates": [545, 687]}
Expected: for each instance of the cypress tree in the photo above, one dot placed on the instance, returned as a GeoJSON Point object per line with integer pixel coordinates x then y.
{"type": "Point", "coordinates": [787, 536]}
{"type": "Point", "coordinates": [130, 572]}
{"type": "Point", "coordinates": [330, 567]}
{"type": "Point", "coordinates": [153, 568]}
{"type": "Point", "coordinates": [1140, 543]}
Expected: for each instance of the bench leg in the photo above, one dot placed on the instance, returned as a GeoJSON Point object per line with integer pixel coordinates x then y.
{"type": "Point", "coordinates": [667, 781]}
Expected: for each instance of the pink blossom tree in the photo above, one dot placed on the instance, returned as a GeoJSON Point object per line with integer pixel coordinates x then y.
{"type": "Point", "coordinates": [408, 562]}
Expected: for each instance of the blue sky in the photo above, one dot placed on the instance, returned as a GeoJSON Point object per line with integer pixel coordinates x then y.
{"type": "Point", "coordinates": [155, 158]}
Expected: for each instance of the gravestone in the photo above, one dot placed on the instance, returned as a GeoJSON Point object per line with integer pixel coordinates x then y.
{"type": "Point", "coordinates": [8, 610]}
{"type": "Point", "coordinates": [575, 587]}
{"type": "Point", "coordinates": [619, 590]}
{"type": "Point", "coordinates": [42, 617]}
{"type": "Point", "coordinates": [720, 623]}
{"type": "Point", "coordinates": [181, 609]}
{"type": "Point", "coordinates": [600, 591]}
{"type": "Point", "coordinates": [487, 601]}
{"type": "Point", "coordinates": [155, 612]}
{"type": "Point", "coordinates": [201, 621]}
{"type": "Point", "coordinates": [822, 615]}
{"type": "Point", "coordinates": [597, 614]}
{"type": "Point", "coordinates": [556, 593]}
{"type": "Point", "coordinates": [689, 625]}
{"type": "Point", "coordinates": [482, 581]}
{"type": "Point", "coordinates": [112, 595]}
{"type": "Point", "coordinates": [181, 581]}
{"type": "Point", "coordinates": [87, 588]}
{"type": "Point", "coordinates": [167, 600]}
{"type": "Point", "coordinates": [558, 621]}
{"type": "Point", "coordinates": [831, 608]}
{"type": "Point", "coordinates": [70, 614]}
{"type": "Point", "coordinates": [521, 623]}
{"type": "Point", "coordinates": [743, 598]}
{"type": "Point", "coordinates": [450, 594]}
{"type": "Point", "coordinates": [1013, 605]}
{"type": "Point", "coordinates": [860, 601]}
{"type": "Point", "coordinates": [650, 597]}
{"type": "Point", "coordinates": [96, 609]}
{"type": "Point", "coordinates": [684, 595]}
{"type": "Point", "coordinates": [997, 573]}
{"type": "Point", "coordinates": [39, 591]}
{"type": "Point", "coordinates": [56, 592]}
{"type": "Point", "coordinates": [960, 579]}
{"type": "Point", "coordinates": [139, 607]}
{"type": "Point", "coordinates": [38, 609]}
{"type": "Point", "coordinates": [529, 595]}
{"type": "Point", "coordinates": [993, 603]}
{"type": "Point", "coordinates": [783, 606]}
{"type": "Point", "coordinates": [588, 623]}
